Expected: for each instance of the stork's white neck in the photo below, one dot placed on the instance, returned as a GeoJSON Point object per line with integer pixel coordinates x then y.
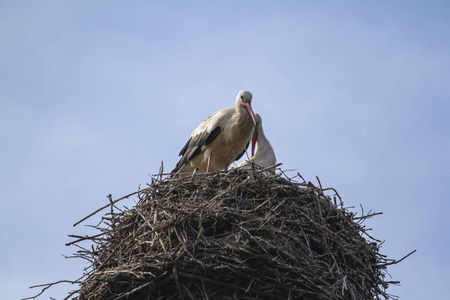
{"type": "Point", "coordinates": [263, 146]}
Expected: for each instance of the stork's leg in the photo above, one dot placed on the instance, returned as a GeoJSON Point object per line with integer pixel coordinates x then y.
{"type": "Point", "coordinates": [226, 167]}
{"type": "Point", "coordinates": [209, 162]}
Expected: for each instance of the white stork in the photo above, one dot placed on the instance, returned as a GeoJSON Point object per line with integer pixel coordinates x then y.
{"type": "Point", "coordinates": [220, 139]}
{"type": "Point", "coordinates": [264, 156]}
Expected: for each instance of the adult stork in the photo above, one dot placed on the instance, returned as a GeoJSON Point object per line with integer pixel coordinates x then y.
{"type": "Point", "coordinates": [220, 139]}
{"type": "Point", "coordinates": [264, 156]}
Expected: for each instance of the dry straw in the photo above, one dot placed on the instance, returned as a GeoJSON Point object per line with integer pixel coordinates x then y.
{"type": "Point", "coordinates": [232, 235]}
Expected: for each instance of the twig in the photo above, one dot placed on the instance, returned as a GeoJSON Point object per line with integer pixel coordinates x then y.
{"type": "Point", "coordinates": [103, 207]}
{"type": "Point", "coordinates": [47, 286]}
{"type": "Point", "coordinates": [397, 261]}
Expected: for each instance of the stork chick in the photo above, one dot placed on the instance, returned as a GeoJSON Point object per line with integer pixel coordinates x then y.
{"type": "Point", "coordinates": [264, 156]}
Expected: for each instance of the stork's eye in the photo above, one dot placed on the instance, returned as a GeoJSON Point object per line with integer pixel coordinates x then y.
{"type": "Point", "coordinates": [242, 97]}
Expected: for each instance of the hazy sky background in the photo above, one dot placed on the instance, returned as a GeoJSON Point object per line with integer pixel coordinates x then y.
{"type": "Point", "coordinates": [95, 94]}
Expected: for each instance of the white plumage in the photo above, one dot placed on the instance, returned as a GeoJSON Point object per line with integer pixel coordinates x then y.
{"type": "Point", "coordinates": [220, 139]}
{"type": "Point", "coordinates": [264, 156]}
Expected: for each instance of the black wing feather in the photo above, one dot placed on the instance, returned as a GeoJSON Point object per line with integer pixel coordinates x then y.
{"type": "Point", "coordinates": [212, 135]}
{"type": "Point", "coordinates": [194, 145]}
{"type": "Point", "coordinates": [240, 155]}
{"type": "Point", "coordinates": [183, 151]}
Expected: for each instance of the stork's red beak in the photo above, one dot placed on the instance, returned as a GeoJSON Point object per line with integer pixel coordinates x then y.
{"type": "Point", "coordinates": [254, 139]}
{"type": "Point", "coordinates": [248, 108]}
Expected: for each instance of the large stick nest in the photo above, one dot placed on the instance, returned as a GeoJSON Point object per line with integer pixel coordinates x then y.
{"type": "Point", "coordinates": [233, 235]}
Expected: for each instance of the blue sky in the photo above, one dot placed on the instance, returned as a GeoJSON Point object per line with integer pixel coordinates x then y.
{"type": "Point", "coordinates": [93, 96]}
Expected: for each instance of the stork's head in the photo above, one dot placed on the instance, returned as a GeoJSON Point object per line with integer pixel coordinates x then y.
{"type": "Point", "coordinates": [244, 99]}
